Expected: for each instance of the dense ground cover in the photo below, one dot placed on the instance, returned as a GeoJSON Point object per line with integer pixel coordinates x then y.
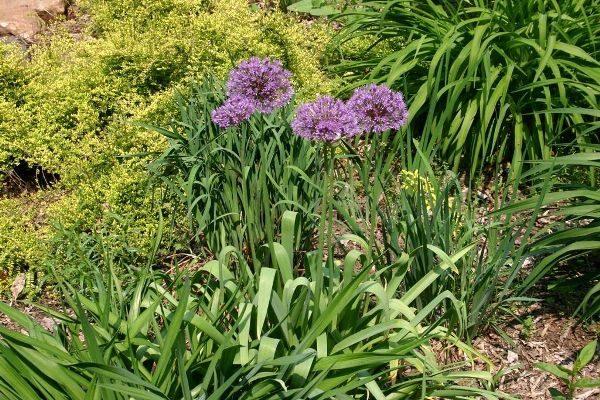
{"type": "Point", "coordinates": [67, 106]}
{"type": "Point", "coordinates": [222, 228]}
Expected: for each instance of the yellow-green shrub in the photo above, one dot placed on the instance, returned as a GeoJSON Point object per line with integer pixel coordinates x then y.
{"type": "Point", "coordinates": [68, 107]}
{"type": "Point", "coordinates": [13, 78]}
{"type": "Point", "coordinates": [23, 233]}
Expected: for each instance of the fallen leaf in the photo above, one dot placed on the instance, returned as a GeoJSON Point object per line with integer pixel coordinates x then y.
{"type": "Point", "coordinates": [17, 286]}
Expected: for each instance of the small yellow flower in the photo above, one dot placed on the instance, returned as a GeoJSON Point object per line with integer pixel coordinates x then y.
{"type": "Point", "coordinates": [413, 183]}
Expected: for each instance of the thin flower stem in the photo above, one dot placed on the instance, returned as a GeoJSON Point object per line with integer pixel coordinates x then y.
{"type": "Point", "coordinates": [325, 224]}
{"type": "Point", "coordinates": [331, 170]}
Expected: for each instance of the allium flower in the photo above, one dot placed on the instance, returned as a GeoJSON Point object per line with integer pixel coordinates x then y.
{"type": "Point", "coordinates": [326, 119]}
{"type": "Point", "coordinates": [233, 111]}
{"type": "Point", "coordinates": [264, 82]}
{"type": "Point", "coordinates": [378, 108]}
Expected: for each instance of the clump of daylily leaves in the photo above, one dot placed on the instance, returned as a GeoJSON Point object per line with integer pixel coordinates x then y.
{"type": "Point", "coordinates": [263, 86]}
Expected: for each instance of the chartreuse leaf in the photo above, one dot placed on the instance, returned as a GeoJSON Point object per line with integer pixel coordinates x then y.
{"type": "Point", "coordinates": [15, 381]}
{"type": "Point", "coordinates": [263, 297]}
{"type": "Point", "coordinates": [585, 356]}
{"type": "Point", "coordinates": [282, 259]}
{"type": "Point", "coordinates": [558, 371]}
{"type": "Point", "coordinates": [587, 383]}
{"type": "Point", "coordinates": [173, 330]}
{"type": "Point", "coordinates": [289, 221]}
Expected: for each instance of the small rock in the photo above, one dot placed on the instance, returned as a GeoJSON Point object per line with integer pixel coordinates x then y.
{"type": "Point", "coordinates": [512, 357]}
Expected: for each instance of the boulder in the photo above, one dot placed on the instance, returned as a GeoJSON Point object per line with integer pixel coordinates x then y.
{"type": "Point", "coordinates": [23, 19]}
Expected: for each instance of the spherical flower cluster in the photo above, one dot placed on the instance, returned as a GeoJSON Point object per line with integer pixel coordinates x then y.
{"type": "Point", "coordinates": [233, 112]}
{"type": "Point", "coordinates": [255, 85]}
{"type": "Point", "coordinates": [264, 82]}
{"type": "Point", "coordinates": [263, 85]}
{"type": "Point", "coordinates": [326, 119]}
{"type": "Point", "coordinates": [378, 108]}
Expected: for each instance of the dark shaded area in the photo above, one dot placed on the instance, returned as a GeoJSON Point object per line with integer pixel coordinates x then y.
{"type": "Point", "coordinates": [565, 287]}
{"type": "Point", "coordinates": [25, 178]}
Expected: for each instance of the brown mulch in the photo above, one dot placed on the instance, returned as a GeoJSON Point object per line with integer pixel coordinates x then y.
{"type": "Point", "coordinates": [33, 312]}
{"type": "Point", "coordinates": [553, 338]}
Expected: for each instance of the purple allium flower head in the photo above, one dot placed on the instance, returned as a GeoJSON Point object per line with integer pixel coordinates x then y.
{"type": "Point", "coordinates": [264, 82]}
{"type": "Point", "coordinates": [233, 111]}
{"type": "Point", "coordinates": [378, 108]}
{"type": "Point", "coordinates": [326, 119]}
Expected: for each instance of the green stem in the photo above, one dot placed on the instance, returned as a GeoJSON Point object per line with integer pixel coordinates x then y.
{"type": "Point", "coordinates": [325, 232]}
{"type": "Point", "coordinates": [373, 193]}
{"type": "Point", "coordinates": [330, 187]}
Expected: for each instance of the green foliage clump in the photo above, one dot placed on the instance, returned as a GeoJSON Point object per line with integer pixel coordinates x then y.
{"type": "Point", "coordinates": [13, 78]}
{"type": "Point", "coordinates": [577, 231]}
{"type": "Point", "coordinates": [229, 331]}
{"type": "Point", "coordinates": [22, 236]}
{"type": "Point", "coordinates": [487, 81]}
{"type": "Point", "coordinates": [67, 106]}
{"type": "Point", "coordinates": [236, 183]}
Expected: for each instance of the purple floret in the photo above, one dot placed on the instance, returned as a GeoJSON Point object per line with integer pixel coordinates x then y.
{"type": "Point", "coordinates": [233, 111]}
{"type": "Point", "coordinates": [378, 108]}
{"type": "Point", "coordinates": [264, 82]}
{"type": "Point", "coordinates": [325, 119]}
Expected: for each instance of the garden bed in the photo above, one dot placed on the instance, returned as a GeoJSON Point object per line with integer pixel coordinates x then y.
{"type": "Point", "coordinates": [300, 200]}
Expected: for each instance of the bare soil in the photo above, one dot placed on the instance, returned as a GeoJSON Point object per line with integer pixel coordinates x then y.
{"type": "Point", "coordinates": [553, 338]}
